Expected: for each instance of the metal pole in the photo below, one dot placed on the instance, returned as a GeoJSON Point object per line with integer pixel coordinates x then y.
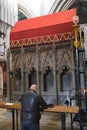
{"type": "Point", "coordinates": [78, 87]}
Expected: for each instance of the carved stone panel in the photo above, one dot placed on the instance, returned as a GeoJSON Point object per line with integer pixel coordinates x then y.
{"type": "Point", "coordinates": [46, 59]}
{"type": "Point", "coordinates": [54, 58]}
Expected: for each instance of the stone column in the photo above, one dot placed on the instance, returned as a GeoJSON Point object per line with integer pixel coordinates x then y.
{"type": "Point", "coordinates": [26, 81]}
{"type": "Point", "coordinates": [38, 74]}
{"type": "Point", "coordinates": [22, 70]}
{"type": "Point", "coordinates": [54, 73]}
{"type": "Point", "coordinates": [8, 76]}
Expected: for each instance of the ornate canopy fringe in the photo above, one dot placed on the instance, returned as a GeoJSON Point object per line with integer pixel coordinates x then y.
{"type": "Point", "coordinates": [41, 40]}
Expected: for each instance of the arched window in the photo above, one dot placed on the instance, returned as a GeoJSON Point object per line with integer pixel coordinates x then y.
{"type": "Point", "coordinates": [32, 78]}
{"type": "Point", "coordinates": [18, 74]}
{"type": "Point", "coordinates": [65, 79]}
{"type": "Point", "coordinates": [18, 78]}
{"type": "Point", "coordinates": [48, 80]}
{"type": "Point", "coordinates": [21, 16]}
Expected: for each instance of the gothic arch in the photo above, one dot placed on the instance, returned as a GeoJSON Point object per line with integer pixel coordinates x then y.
{"type": "Point", "coordinates": [60, 5]}
{"type": "Point", "coordinates": [23, 8]}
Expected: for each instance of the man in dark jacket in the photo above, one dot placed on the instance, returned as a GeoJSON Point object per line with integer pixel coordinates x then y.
{"type": "Point", "coordinates": [32, 103]}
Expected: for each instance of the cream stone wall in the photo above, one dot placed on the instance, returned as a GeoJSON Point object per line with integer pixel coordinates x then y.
{"type": "Point", "coordinates": [9, 11]}
{"type": "Point", "coordinates": [8, 17]}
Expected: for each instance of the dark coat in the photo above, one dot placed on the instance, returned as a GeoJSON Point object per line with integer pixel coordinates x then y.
{"type": "Point", "coordinates": [32, 104]}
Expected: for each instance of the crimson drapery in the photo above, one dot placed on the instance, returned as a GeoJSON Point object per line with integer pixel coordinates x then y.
{"type": "Point", "coordinates": [44, 29]}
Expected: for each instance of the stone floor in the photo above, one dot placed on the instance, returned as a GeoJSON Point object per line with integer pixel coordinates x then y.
{"type": "Point", "coordinates": [48, 121]}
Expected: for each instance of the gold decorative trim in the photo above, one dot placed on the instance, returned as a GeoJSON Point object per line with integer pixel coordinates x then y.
{"type": "Point", "coordinates": [61, 37]}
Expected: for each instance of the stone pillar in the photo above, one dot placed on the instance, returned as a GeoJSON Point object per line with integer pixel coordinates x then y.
{"type": "Point", "coordinates": [38, 74]}
{"type": "Point", "coordinates": [54, 73]}
{"type": "Point", "coordinates": [8, 76]}
{"type": "Point", "coordinates": [26, 81]}
{"type": "Point", "coordinates": [22, 70]}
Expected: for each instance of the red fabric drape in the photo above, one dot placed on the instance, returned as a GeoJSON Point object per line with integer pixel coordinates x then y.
{"type": "Point", "coordinates": [48, 25]}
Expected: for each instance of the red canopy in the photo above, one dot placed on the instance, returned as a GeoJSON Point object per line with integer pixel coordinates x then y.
{"type": "Point", "coordinates": [45, 29]}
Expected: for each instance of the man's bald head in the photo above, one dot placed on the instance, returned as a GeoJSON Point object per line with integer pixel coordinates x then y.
{"type": "Point", "coordinates": [34, 87]}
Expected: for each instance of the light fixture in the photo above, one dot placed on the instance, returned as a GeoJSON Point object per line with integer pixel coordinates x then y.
{"type": "Point", "coordinates": [76, 19]}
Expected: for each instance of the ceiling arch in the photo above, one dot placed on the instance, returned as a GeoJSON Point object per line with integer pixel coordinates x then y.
{"type": "Point", "coordinates": [46, 7]}
{"type": "Point", "coordinates": [23, 8]}
{"type": "Point", "coordinates": [60, 5]}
